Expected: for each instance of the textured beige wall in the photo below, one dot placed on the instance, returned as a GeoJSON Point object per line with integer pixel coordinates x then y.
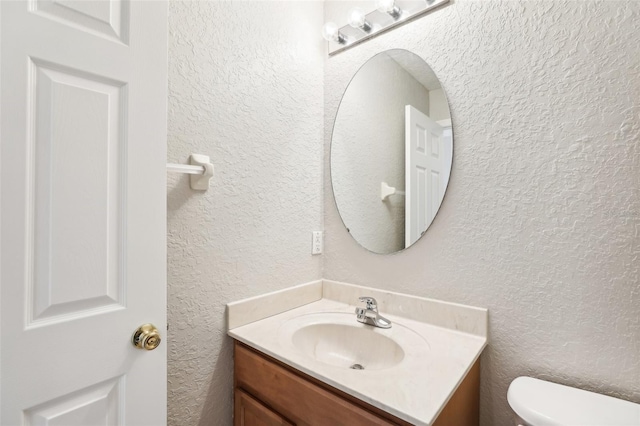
{"type": "Point", "coordinates": [541, 221]}
{"type": "Point", "coordinates": [245, 87]}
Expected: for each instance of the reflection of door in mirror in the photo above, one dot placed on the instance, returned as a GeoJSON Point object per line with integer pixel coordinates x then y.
{"type": "Point", "coordinates": [428, 158]}
{"type": "Point", "coordinates": [369, 151]}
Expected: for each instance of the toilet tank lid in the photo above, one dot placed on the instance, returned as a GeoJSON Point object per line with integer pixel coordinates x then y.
{"type": "Point", "coordinates": [544, 403]}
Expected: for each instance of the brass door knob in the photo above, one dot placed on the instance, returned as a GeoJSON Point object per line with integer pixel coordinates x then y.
{"type": "Point", "coordinates": [146, 337]}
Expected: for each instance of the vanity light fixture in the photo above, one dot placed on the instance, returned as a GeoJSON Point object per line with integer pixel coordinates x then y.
{"type": "Point", "coordinates": [358, 19]}
{"type": "Point", "coordinates": [330, 32]}
{"type": "Point", "coordinates": [361, 26]}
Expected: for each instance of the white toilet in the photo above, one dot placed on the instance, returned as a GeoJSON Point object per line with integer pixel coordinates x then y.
{"type": "Point", "coordinates": [540, 403]}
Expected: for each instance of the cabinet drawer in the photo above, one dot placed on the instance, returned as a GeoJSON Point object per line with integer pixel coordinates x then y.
{"type": "Point", "coordinates": [296, 398]}
{"type": "Point", "coordinates": [249, 411]}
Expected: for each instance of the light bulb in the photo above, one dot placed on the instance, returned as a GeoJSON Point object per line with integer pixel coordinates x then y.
{"type": "Point", "coordinates": [357, 19]}
{"type": "Point", "coordinates": [385, 6]}
{"type": "Point", "coordinates": [330, 32]}
{"type": "Point", "coordinates": [389, 6]}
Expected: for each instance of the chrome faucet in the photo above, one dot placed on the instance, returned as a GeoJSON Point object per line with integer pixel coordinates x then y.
{"type": "Point", "coordinates": [370, 315]}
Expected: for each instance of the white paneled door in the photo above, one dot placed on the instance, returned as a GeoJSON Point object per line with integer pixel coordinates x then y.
{"type": "Point", "coordinates": [424, 172]}
{"type": "Point", "coordinates": [83, 207]}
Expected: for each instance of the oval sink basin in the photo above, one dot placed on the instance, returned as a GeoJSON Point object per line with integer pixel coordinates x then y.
{"type": "Point", "coordinates": [354, 346]}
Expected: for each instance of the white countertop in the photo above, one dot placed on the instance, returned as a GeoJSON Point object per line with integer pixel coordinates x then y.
{"type": "Point", "coordinates": [436, 359]}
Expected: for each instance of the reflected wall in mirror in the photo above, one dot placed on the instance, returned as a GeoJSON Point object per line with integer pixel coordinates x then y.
{"type": "Point", "coordinates": [391, 151]}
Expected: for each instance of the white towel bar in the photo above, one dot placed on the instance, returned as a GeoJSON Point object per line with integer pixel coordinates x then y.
{"type": "Point", "coordinates": [184, 168]}
{"type": "Point", "coordinates": [200, 169]}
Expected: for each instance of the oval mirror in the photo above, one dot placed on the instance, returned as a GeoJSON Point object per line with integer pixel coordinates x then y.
{"type": "Point", "coordinates": [391, 151]}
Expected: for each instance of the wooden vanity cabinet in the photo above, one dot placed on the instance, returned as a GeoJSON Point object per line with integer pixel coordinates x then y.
{"type": "Point", "coordinates": [269, 393]}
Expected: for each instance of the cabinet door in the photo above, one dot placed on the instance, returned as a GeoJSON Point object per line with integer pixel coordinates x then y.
{"type": "Point", "coordinates": [248, 411]}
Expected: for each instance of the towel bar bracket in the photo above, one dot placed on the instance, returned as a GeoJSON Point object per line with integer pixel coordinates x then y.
{"type": "Point", "coordinates": [200, 169]}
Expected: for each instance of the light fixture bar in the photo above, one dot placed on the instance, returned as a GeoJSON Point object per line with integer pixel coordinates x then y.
{"type": "Point", "coordinates": [380, 22]}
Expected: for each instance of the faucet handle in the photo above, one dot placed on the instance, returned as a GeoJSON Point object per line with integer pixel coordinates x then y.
{"type": "Point", "coordinates": [370, 301]}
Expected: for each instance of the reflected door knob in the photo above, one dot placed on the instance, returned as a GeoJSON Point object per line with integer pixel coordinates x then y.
{"type": "Point", "coordinates": [146, 337]}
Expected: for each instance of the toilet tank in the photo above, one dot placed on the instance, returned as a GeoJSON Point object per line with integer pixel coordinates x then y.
{"type": "Point", "coordinates": [541, 403]}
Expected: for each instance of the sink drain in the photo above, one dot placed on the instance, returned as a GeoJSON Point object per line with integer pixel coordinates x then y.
{"type": "Point", "coordinates": [357, 367]}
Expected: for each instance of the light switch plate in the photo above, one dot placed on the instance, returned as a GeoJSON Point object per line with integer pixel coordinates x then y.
{"type": "Point", "coordinates": [316, 243]}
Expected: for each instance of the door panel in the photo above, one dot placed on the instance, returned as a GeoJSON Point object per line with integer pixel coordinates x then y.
{"type": "Point", "coordinates": [96, 405]}
{"type": "Point", "coordinates": [83, 223]}
{"type": "Point", "coordinates": [108, 19]}
{"type": "Point", "coordinates": [78, 155]}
